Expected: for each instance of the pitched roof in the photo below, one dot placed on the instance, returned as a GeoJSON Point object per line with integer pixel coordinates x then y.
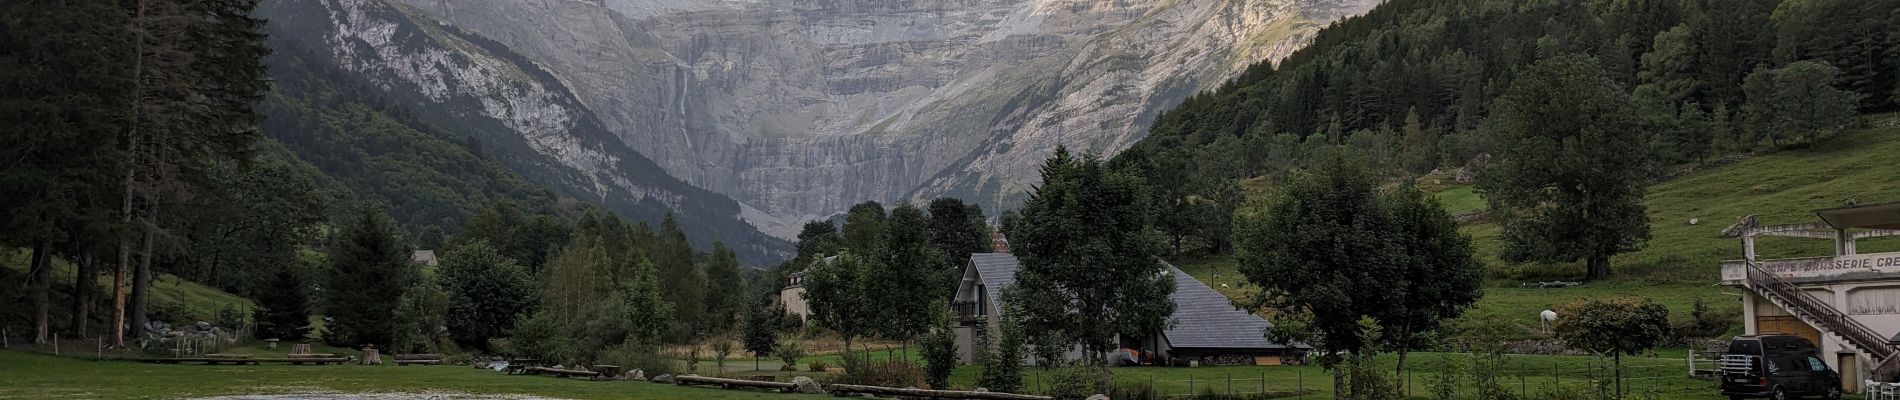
{"type": "Point", "coordinates": [1203, 318]}
{"type": "Point", "coordinates": [997, 270]}
{"type": "Point", "coordinates": [424, 257]}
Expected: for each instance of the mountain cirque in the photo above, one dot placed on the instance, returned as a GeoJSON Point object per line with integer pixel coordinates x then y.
{"type": "Point", "coordinates": [799, 108]}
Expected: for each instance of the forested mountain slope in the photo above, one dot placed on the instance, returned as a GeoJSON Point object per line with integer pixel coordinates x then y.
{"type": "Point", "coordinates": [436, 123]}
{"type": "Point", "coordinates": [1408, 85]}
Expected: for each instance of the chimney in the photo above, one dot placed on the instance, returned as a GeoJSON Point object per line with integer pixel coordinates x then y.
{"type": "Point", "coordinates": [998, 243]}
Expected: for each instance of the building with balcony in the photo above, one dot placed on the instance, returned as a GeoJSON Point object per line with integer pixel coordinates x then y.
{"type": "Point", "coordinates": [1848, 304]}
{"type": "Point", "coordinates": [1206, 327]}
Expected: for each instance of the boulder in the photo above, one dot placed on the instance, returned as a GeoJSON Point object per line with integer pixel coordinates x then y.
{"type": "Point", "coordinates": [663, 378]}
{"type": "Point", "coordinates": [1098, 397]}
{"type": "Point", "coordinates": [637, 375]}
{"type": "Point", "coordinates": [981, 389]}
{"type": "Point", "coordinates": [804, 384]}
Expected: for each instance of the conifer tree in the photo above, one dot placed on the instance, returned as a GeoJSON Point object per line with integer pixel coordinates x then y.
{"type": "Point", "coordinates": [649, 315]}
{"type": "Point", "coordinates": [369, 272]}
{"type": "Point", "coordinates": [725, 289]}
{"type": "Point", "coordinates": [283, 307]}
{"type": "Point", "coordinates": [63, 86]}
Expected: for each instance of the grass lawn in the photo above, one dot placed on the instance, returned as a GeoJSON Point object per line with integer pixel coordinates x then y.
{"type": "Point", "coordinates": [35, 376]}
{"type": "Point", "coordinates": [31, 375]}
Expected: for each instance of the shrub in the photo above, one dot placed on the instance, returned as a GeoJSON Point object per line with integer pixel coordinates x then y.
{"type": "Point", "coordinates": [458, 359]}
{"type": "Point", "coordinates": [940, 357]}
{"type": "Point", "coordinates": [789, 353]}
{"type": "Point", "coordinates": [634, 355]}
{"type": "Point", "coordinates": [1704, 323]}
{"type": "Point", "coordinates": [1134, 391]}
{"type": "Point", "coordinates": [721, 347]}
{"type": "Point", "coordinates": [540, 336]}
{"type": "Point", "coordinates": [1079, 382]}
{"type": "Point", "coordinates": [1444, 386]}
{"type": "Point", "coordinates": [817, 366]}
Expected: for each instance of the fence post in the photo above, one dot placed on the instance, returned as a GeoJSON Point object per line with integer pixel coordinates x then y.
{"type": "Point", "coordinates": [1523, 386]}
{"type": "Point", "coordinates": [1190, 383]}
{"type": "Point", "coordinates": [56, 344]}
{"type": "Point", "coordinates": [1230, 383]}
{"type": "Point", "coordinates": [1263, 383]}
{"type": "Point", "coordinates": [100, 346]}
{"type": "Point", "coordinates": [1301, 375]}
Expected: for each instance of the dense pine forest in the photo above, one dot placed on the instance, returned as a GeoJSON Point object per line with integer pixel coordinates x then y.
{"type": "Point", "coordinates": [1409, 88]}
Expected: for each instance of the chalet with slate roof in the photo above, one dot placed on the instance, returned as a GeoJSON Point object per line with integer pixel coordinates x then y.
{"type": "Point", "coordinates": [1206, 327]}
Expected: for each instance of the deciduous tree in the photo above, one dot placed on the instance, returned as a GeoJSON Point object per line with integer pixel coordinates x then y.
{"type": "Point", "coordinates": [487, 292]}
{"type": "Point", "coordinates": [1616, 327]}
{"type": "Point", "coordinates": [1570, 172]}
{"type": "Point", "coordinates": [1089, 255]}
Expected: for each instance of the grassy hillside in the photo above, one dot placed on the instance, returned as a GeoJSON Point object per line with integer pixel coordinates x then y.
{"type": "Point", "coordinates": [171, 296]}
{"type": "Point", "coordinates": [1681, 262]}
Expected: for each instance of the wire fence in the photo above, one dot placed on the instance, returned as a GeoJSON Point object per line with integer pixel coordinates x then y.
{"type": "Point", "coordinates": [1521, 378]}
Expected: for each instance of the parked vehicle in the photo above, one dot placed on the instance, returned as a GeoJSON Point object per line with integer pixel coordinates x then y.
{"type": "Point", "coordinates": [1778, 367]}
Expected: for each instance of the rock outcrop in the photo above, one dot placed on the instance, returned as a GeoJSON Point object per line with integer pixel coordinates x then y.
{"type": "Point", "coordinates": [799, 108]}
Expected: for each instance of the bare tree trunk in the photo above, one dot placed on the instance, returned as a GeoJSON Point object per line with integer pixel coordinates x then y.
{"type": "Point", "coordinates": [42, 277]}
{"type": "Point", "coordinates": [142, 278]}
{"type": "Point", "coordinates": [1599, 268]}
{"type": "Point", "coordinates": [83, 281]}
{"type": "Point", "coordinates": [133, 145]}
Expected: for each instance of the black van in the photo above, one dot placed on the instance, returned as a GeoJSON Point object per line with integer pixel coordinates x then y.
{"type": "Point", "coordinates": [1779, 367]}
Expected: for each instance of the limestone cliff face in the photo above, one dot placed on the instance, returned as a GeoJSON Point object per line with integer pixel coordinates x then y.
{"type": "Point", "coordinates": [529, 119]}
{"type": "Point", "coordinates": [799, 108]}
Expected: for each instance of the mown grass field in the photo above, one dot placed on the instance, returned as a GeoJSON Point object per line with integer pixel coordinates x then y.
{"type": "Point", "coordinates": [35, 376]}
{"type": "Point", "coordinates": [1680, 262]}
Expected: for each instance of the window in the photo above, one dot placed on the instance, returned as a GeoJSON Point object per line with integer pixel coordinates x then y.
{"type": "Point", "coordinates": [1815, 365]}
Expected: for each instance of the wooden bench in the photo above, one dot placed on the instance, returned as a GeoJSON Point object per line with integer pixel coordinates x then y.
{"type": "Point", "coordinates": [842, 390]}
{"type": "Point", "coordinates": [558, 373]}
{"type": "Point", "coordinates": [687, 380]}
{"type": "Point", "coordinates": [419, 359]}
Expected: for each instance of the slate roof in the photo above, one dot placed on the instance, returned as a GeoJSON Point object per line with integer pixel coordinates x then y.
{"type": "Point", "coordinates": [997, 270]}
{"type": "Point", "coordinates": [1203, 318]}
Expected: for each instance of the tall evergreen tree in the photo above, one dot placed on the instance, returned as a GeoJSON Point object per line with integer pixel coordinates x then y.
{"type": "Point", "coordinates": [1089, 257]}
{"type": "Point", "coordinates": [369, 271]}
{"type": "Point", "coordinates": [1798, 103]}
{"type": "Point", "coordinates": [64, 72]}
{"type": "Point", "coordinates": [283, 306]}
{"type": "Point", "coordinates": [649, 315]}
{"type": "Point", "coordinates": [1570, 174]}
{"type": "Point", "coordinates": [725, 289]}
{"type": "Point", "coordinates": [197, 72]}
{"type": "Point", "coordinates": [681, 279]}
